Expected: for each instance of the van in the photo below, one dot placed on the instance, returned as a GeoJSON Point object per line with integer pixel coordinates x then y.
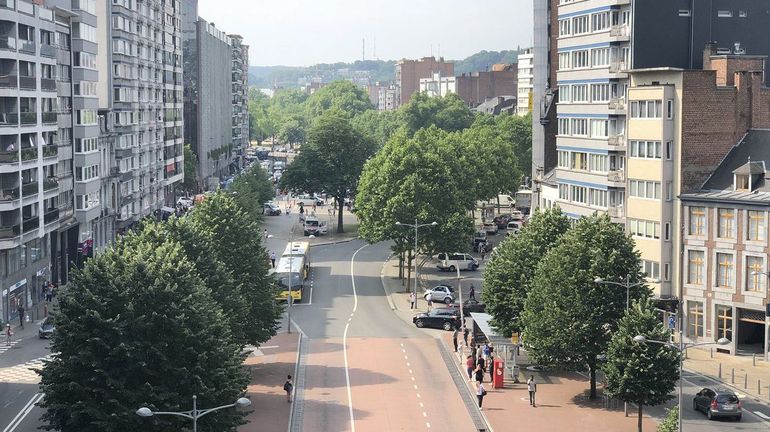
{"type": "Point", "coordinates": [313, 226]}
{"type": "Point", "coordinates": [457, 260]}
{"type": "Point", "coordinates": [514, 227]}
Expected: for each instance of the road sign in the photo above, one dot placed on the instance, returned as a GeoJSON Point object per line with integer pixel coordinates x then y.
{"type": "Point", "coordinates": [515, 338]}
{"type": "Point", "coordinates": [672, 322]}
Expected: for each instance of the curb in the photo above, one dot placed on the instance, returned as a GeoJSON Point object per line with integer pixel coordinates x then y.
{"type": "Point", "coordinates": [388, 295]}
{"type": "Point", "coordinates": [335, 242]}
{"type": "Point", "coordinates": [477, 411]}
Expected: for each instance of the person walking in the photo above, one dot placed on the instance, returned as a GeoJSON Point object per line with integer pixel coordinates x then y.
{"type": "Point", "coordinates": [429, 299]}
{"type": "Point", "coordinates": [266, 234]}
{"type": "Point", "coordinates": [9, 333]}
{"type": "Point", "coordinates": [470, 365]}
{"type": "Point", "coordinates": [472, 294]}
{"type": "Point", "coordinates": [20, 310]}
{"type": "Point", "coordinates": [491, 367]}
{"type": "Point", "coordinates": [532, 389]}
{"type": "Point", "coordinates": [288, 387]}
{"type": "Point", "coordinates": [480, 393]}
{"type": "Point", "coordinates": [483, 251]}
{"type": "Point", "coordinates": [412, 300]}
{"type": "Point", "coordinates": [272, 258]}
{"type": "Point", "coordinates": [465, 335]}
{"type": "Point", "coordinates": [454, 338]}
{"type": "Point", "coordinates": [479, 372]}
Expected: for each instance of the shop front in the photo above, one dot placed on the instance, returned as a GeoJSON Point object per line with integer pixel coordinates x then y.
{"type": "Point", "coordinates": [13, 297]}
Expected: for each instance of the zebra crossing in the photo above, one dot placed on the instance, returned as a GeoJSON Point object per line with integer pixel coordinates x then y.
{"type": "Point", "coordinates": [5, 346]}
{"type": "Point", "coordinates": [23, 373]}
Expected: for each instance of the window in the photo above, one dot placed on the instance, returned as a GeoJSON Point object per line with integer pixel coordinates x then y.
{"type": "Point", "coordinates": [599, 128]}
{"type": "Point", "coordinates": [726, 226]}
{"type": "Point", "coordinates": [669, 109]}
{"type": "Point", "coordinates": [563, 192]}
{"type": "Point", "coordinates": [724, 322]}
{"type": "Point", "coordinates": [645, 149]}
{"type": "Point", "coordinates": [564, 60]}
{"type": "Point", "coordinates": [600, 92]}
{"type": "Point", "coordinates": [725, 14]}
{"type": "Point", "coordinates": [84, 31]}
{"type": "Point", "coordinates": [598, 162]}
{"type": "Point", "coordinates": [564, 94]}
{"type": "Point", "coordinates": [85, 60]}
{"type": "Point", "coordinates": [579, 161]}
{"type": "Point", "coordinates": [86, 145]}
{"type": "Point", "coordinates": [580, 93]}
{"type": "Point", "coordinates": [600, 57]}
{"type": "Point", "coordinates": [564, 27]}
{"type": "Point", "coordinates": [669, 191]}
{"type": "Point", "coordinates": [86, 117]}
{"type": "Point", "coordinates": [669, 149]}
{"type": "Point", "coordinates": [698, 221]}
{"type": "Point", "coordinates": [725, 267]}
{"type": "Point", "coordinates": [754, 276]}
{"type": "Point", "coordinates": [580, 59]}
{"type": "Point", "coordinates": [85, 88]}
{"type": "Point", "coordinates": [646, 109]}
{"type": "Point", "coordinates": [580, 126]}
{"type": "Point", "coordinates": [564, 126]}
{"type": "Point", "coordinates": [87, 173]}
{"type": "Point", "coordinates": [651, 269]}
{"type": "Point", "coordinates": [667, 231]}
{"type": "Point", "coordinates": [694, 319]}
{"type": "Point", "coordinates": [756, 226]}
{"type": "Point", "coordinates": [597, 198]}
{"type": "Point", "coordinates": [642, 228]}
{"type": "Point", "coordinates": [695, 267]}
{"type": "Point", "coordinates": [645, 189]}
{"type": "Point", "coordinates": [563, 159]}
{"type": "Point", "coordinates": [580, 25]}
{"type": "Point", "coordinates": [600, 21]}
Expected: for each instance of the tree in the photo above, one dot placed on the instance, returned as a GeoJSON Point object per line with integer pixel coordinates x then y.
{"type": "Point", "coordinates": [236, 239]}
{"type": "Point", "coordinates": [379, 126]}
{"type": "Point", "coordinates": [343, 96]}
{"type": "Point", "coordinates": [510, 270]}
{"type": "Point", "coordinates": [292, 130]}
{"type": "Point", "coordinates": [448, 113]}
{"type": "Point", "coordinates": [253, 188]}
{"type": "Point", "coordinates": [641, 373]}
{"type": "Point", "coordinates": [568, 318]}
{"type": "Point", "coordinates": [331, 161]}
{"type": "Point", "coordinates": [190, 182]}
{"type": "Point", "coordinates": [516, 131]}
{"type": "Point", "coordinates": [137, 327]}
{"type": "Point", "coordinates": [671, 422]}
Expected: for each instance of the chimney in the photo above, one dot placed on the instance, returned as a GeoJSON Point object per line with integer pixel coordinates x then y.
{"type": "Point", "coordinates": [710, 50]}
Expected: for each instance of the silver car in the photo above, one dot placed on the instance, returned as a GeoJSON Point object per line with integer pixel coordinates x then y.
{"type": "Point", "coordinates": [440, 294]}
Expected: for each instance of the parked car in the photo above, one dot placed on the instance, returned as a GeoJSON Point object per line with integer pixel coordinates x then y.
{"type": "Point", "coordinates": [453, 261]}
{"type": "Point", "coordinates": [271, 209]}
{"type": "Point", "coordinates": [502, 220]}
{"type": "Point", "coordinates": [469, 306]}
{"type": "Point", "coordinates": [315, 227]}
{"type": "Point", "coordinates": [443, 318]}
{"type": "Point", "coordinates": [441, 294]}
{"type": "Point", "coordinates": [517, 215]}
{"type": "Point", "coordinates": [308, 200]}
{"type": "Point", "coordinates": [479, 238]}
{"type": "Point", "coordinates": [185, 202]}
{"type": "Point", "coordinates": [490, 228]}
{"type": "Point", "coordinates": [514, 226]}
{"type": "Point", "coordinates": [46, 328]}
{"type": "Point", "coordinates": [718, 402]}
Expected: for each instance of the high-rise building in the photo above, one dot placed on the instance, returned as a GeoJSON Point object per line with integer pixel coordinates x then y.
{"type": "Point", "coordinates": [524, 90]}
{"type": "Point", "coordinates": [240, 65]}
{"type": "Point", "coordinates": [409, 72]}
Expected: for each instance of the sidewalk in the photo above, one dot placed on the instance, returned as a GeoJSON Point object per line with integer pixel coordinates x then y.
{"type": "Point", "coordinates": [268, 367]}
{"type": "Point", "coordinates": [349, 221]}
{"type": "Point", "coordinates": [738, 372]}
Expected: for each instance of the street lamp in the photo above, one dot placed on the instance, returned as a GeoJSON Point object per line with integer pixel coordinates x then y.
{"type": "Point", "coordinates": [681, 347]}
{"type": "Point", "coordinates": [627, 285]}
{"type": "Point", "coordinates": [416, 226]}
{"type": "Point", "coordinates": [195, 413]}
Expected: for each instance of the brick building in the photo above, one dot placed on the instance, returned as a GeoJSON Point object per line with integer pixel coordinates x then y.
{"type": "Point", "coordinates": [477, 87]}
{"type": "Point", "coordinates": [409, 72]}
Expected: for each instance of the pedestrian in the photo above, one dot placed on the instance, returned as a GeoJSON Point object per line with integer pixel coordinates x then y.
{"type": "Point", "coordinates": [20, 310]}
{"type": "Point", "coordinates": [465, 335]}
{"type": "Point", "coordinates": [482, 363]}
{"type": "Point", "coordinates": [272, 258]}
{"type": "Point", "coordinates": [480, 393]}
{"type": "Point", "coordinates": [44, 291]}
{"type": "Point", "coordinates": [314, 205]}
{"type": "Point", "coordinates": [454, 338]}
{"type": "Point", "coordinates": [301, 208]}
{"type": "Point", "coordinates": [265, 233]}
{"type": "Point", "coordinates": [532, 389]}
{"type": "Point", "coordinates": [472, 294]}
{"type": "Point", "coordinates": [479, 372]}
{"type": "Point", "coordinates": [412, 299]}
{"type": "Point", "coordinates": [288, 387]}
{"type": "Point", "coordinates": [470, 364]}
{"type": "Point", "coordinates": [473, 348]}
{"type": "Point", "coordinates": [491, 368]}
{"type": "Point", "coordinates": [288, 209]}
{"type": "Point", "coordinates": [429, 299]}
{"type": "Point", "coordinates": [485, 350]}
{"type": "Point", "coordinates": [483, 251]}
{"type": "Point", "coordinates": [8, 333]}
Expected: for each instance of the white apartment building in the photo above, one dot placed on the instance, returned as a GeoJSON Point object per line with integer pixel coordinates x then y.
{"type": "Point", "coordinates": [526, 85]}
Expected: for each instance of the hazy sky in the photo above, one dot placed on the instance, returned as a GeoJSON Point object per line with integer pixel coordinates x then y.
{"type": "Point", "coordinates": [306, 32]}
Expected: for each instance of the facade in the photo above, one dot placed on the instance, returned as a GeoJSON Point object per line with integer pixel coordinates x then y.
{"type": "Point", "coordinates": [497, 105]}
{"type": "Point", "coordinates": [409, 72]}
{"type": "Point", "coordinates": [240, 82]}
{"type": "Point", "coordinates": [388, 98]}
{"type": "Point", "coordinates": [526, 82]}
{"type": "Point", "coordinates": [437, 85]}
{"type": "Point", "coordinates": [474, 88]}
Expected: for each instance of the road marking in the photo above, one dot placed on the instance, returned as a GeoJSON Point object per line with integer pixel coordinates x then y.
{"type": "Point", "coordinates": [412, 378]}
{"type": "Point", "coordinates": [268, 347]}
{"type": "Point", "coordinates": [406, 357]}
{"type": "Point", "coordinates": [23, 413]}
{"type": "Point", "coordinates": [424, 414]}
{"type": "Point", "coordinates": [418, 395]}
{"type": "Point", "coordinates": [345, 339]}
{"type": "Point", "coordinates": [421, 405]}
{"type": "Point", "coordinates": [410, 372]}
{"type": "Point", "coordinates": [415, 386]}
{"type": "Point", "coordinates": [427, 424]}
{"type": "Point", "coordinates": [761, 415]}
{"type": "Point", "coordinates": [408, 365]}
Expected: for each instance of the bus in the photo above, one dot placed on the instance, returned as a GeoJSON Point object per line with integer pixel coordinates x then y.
{"type": "Point", "coordinates": [292, 270]}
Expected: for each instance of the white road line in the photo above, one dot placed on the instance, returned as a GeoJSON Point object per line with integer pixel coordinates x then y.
{"type": "Point", "coordinates": [421, 405]}
{"type": "Point", "coordinates": [427, 424]}
{"type": "Point", "coordinates": [23, 413]}
{"type": "Point", "coordinates": [418, 395]}
{"type": "Point", "coordinates": [412, 378]}
{"type": "Point", "coordinates": [410, 372]}
{"type": "Point", "coordinates": [415, 386]}
{"type": "Point", "coordinates": [424, 414]}
{"type": "Point", "coordinates": [761, 415]}
{"type": "Point", "coordinates": [345, 339]}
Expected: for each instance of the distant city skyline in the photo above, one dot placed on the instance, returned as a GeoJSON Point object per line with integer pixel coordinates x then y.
{"type": "Point", "coordinates": [307, 32]}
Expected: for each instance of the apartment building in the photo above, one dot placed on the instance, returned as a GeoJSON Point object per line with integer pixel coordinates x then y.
{"type": "Point", "coordinates": [474, 88]}
{"type": "Point", "coordinates": [409, 72]}
{"type": "Point", "coordinates": [388, 98]}
{"type": "Point", "coordinates": [524, 90]}
{"type": "Point", "coordinates": [240, 85]}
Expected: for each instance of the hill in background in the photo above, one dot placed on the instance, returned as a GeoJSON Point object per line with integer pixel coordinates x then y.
{"type": "Point", "coordinates": [377, 70]}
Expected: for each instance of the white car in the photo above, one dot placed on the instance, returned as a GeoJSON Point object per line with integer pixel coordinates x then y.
{"type": "Point", "coordinates": [440, 294]}
{"type": "Point", "coordinates": [185, 202]}
{"type": "Point", "coordinates": [453, 261]}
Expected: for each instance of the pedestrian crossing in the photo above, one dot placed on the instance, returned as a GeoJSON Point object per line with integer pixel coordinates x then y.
{"type": "Point", "coordinates": [5, 346]}
{"type": "Point", "coordinates": [23, 373]}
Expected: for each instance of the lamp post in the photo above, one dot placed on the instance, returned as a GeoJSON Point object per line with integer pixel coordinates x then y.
{"type": "Point", "coordinates": [195, 413]}
{"type": "Point", "coordinates": [627, 285]}
{"type": "Point", "coordinates": [681, 347]}
{"type": "Point", "coordinates": [416, 226]}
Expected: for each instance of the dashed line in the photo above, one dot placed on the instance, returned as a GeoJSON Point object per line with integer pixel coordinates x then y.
{"type": "Point", "coordinates": [415, 386]}
{"type": "Point", "coordinates": [412, 378]}
{"type": "Point", "coordinates": [427, 425]}
{"type": "Point", "coordinates": [424, 414]}
{"type": "Point", "coordinates": [421, 405]}
{"type": "Point", "coordinates": [410, 372]}
{"type": "Point", "coordinates": [418, 395]}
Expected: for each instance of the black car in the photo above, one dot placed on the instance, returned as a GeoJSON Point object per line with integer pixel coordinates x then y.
{"type": "Point", "coordinates": [46, 328]}
{"type": "Point", "coordinates": [469, 306]}
{"type": "Point", "coordinates": [718, 402]}
{"type": "Point", "coordinates": [442, 318]}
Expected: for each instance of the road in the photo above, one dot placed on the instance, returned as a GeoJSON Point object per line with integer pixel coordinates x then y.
{"type": "Point", "coordinates": [19, 384]}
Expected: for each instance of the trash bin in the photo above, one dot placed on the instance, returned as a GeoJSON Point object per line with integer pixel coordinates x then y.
{"type": "Point", "coordinates": [499, 377]}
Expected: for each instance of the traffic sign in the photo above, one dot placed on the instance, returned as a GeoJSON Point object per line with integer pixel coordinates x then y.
{"type": "Point", "coordinates": [515, 338]}
{"type": "Point", "coordinates": [672, 322]}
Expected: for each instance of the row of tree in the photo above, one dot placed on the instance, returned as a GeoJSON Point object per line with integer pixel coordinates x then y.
{"type": "Point", "coordinates": [161, 315]}
{"type": "Point", "coordinates": [542, 283]}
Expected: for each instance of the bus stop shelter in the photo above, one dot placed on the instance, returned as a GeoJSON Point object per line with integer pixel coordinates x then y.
{"type": "Point", "coordinates": [504, 347]}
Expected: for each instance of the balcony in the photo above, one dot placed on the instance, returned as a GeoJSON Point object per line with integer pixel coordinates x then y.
{"type": "Point", "coordinates": [27, 46]}
{"type": "Point", "coordinates": [616, 176]}
{"type": "Point", "coordinates": [617, 140]}
{"type": "Point", "coordinates": [9, 194]}
{"type": "Point", "coordinates": [50, 151]}
{"type": "Point", "coordinates": [618, 104]}
{"type": "Point", "coordinates": [47, 50]}
{"type": "Point", "coordinates": [49, 117]}
{"type": "Point", "coordinates": [28, 153]}
{"type": "Point", "coordinates": [66, 210]}
{"type": "Point", "coordinates": [50, 183]}
{"type": "Point", "coordinates": [617, 67]}
{"type": "Point", "coordinates": [8, 80]}
{"type": "Point", "coordinates": [9, 156]}
{"type": "Point", "coordinates": [51, 215]}
{"type": "Point", "coordinates": [619, 31]}
{"type": "Point", "coordinates": [27, 83]}
{"type": "Point", "coordinates": [7, 4]}
{"type": "Point", "coordinates": [9, 119]}
{"type": "Point", "coordinates": [9, 232]}
{"type": "Point", "coordinates": [48, 84]}
{"type": "Point", "coordinates": [28, 189]}
{"type": "Point", "coordinates": [31, 224]}
{"type": "Point", "coordinates": [7, 43]}
{"type": "Point", "coordinates": [616, 212]}
{"type": "Point", "coordinates": [28, 118]}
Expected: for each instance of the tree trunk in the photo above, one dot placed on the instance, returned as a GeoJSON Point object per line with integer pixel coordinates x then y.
{"type": "Point", "coordinates": [341, 202]}
{"type": "Point", "coordinates": [592, 375]}
{"type": "Point", "coordinates": [408, 271]}
{"type": "Point", "coordinates": [639, 420]}
{"type": "Point", "coordinates": [401, 267]}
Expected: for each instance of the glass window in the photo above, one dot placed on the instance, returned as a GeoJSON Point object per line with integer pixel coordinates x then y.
{"type": "Point", "coordinates": [695, 266]}
{"type": "Point", "coordinates": [725, 267]}
{"type": "Point", "coordinates": [724, 322]}
{"type": "Point", "coordinates": [755, 279]}
{"type": "Point", "coordinates": [694, 319]}
{"type": "Point", "coordinates": [756, 228]}
{"type": "Point", "coordinates": [726, 223]}
{"type": "Point", "coordinates": [698, 221]}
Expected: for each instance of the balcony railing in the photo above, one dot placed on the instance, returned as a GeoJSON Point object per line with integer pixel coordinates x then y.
{"type": "Point", "coordinates": [50, 183]}
{"type": "Point", "coordinates": [616, 176]}
{"type": "Point", "coordinates": [617, 104]}
{"type": "Point", "coordinates": [10, 194]}
{"type": "Point", "coordinates": [48, 84]}
{"type": "Point", "coordinates": [52, 215]}
{"type": "Point", "coordinates": [7, 232]}
{"type": "Point", "coordinates": [27, 46]}
{"type": "Point", "coordinates": [49, 117]}
{"type": "Point", "coordinates": [29, 83]}
{"type": "Point", "coordinates": [7, 43]}
{"type": "Point", "coordinates": [28, 118]}
{"type": "Point", "coordinates": [47, 50]}
{"type": "Point", "coordinates": [617, 140]}
{"type": "Point", "coordinates": [9, 156]}
{"type": "Point", "coordinates": [9, 119]}
{"type": "Point", "coordinates": [50, 151]}
{"type": "Point", "coordinates": [616, 67]}
{"type": "Point", "coordinates": [31, 224]}
{"type": "Point", "coordinates": [28, 189]}
{"type": "Point", "coordinates": [619, 31]}
{"type": "Point", "coordinates": [616, 211]}
{"type": "Point", "coordinates": [28, 153]}
{"type": "Point", "coordinates": [8, 80]}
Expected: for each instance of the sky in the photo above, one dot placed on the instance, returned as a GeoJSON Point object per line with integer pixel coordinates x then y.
{"type": "Point", "coordinates": [307, 32]}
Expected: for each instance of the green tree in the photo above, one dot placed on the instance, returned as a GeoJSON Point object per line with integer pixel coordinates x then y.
{"type": "Point", "coordinates": [641, 373]}
{"type": "Point", "coordinates": [516, 131]}
{"type": "Point", "coordinates": [190, 182]}
{"type": "Point", "coordinates": [343, 96]}
{"type": "Point", "coordinates": [292, 130]}
{"type": "Point", "coordinates": [138, 327]}
{"type": "Point", "coordinates": [253, 188]}
{"type": "Point", "coordinates": [671, 422]}
{"type": "Point", "coordinates": [448, 113]}
{"type": "Point", "coordinates": [510, 270]}
{"type": "Point", "coordinates": [331, 161]}
{"type": "Point", "coordinates": [236, 239]}
{"type": "Point", "coordinates": [378, 125]}
{"type": "Point", "coordinates": [568, 318]}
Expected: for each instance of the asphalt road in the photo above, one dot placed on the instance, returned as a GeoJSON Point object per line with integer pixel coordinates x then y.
{"type": "Point", "coordinates": [19, 384]}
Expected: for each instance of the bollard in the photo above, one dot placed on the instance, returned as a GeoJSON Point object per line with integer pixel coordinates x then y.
{"type": "Point", "coordinates": [746, 381]}
{"type": "Point", "coordinates": [759, 388]}
{"type": "Point", "coordinates": [711, 352]}
{"type": "Point", "coordinates": [732, 379]}
{"type": "Point", "coordinates": [753, 359]}
{"type": "Point", "coordinates": [720, 371]}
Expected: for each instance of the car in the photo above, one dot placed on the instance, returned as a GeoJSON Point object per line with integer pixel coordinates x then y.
{"type": "Point", "coordinates": [313, 226]}
{"type": "Point", "coordinates": [442, 318]}
{"type": "Point", "coordinates": [490, 228]}
{"type": "Point", "coordinates": [185, 202]}
{"type": "Point", "coordinates": [308, 200]}
{"type": "Point", "coordinates": [502, 220]}
{"type": "Point", "coordinates": [514, 227]}
{"type": "Point", "coordinates": [440, 293]}
{"type": "Point", "coordinates": [469, 306]}
{"type": "Point", "coordinates": [457, 260]}
{"type": "Point", "coordinates": [718, 402]}
{"type": "Point", "coordinates": [46, 328]}
{"type": "Point", "coordinates": [517, 215]}
{"type": "Point", "coordinates": [271, 209]}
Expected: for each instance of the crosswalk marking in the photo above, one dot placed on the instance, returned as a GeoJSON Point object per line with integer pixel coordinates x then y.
{"type": "Point", "coordinates": [5, 347]}
{"type": "Point", "coordinates": [23, 373]}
